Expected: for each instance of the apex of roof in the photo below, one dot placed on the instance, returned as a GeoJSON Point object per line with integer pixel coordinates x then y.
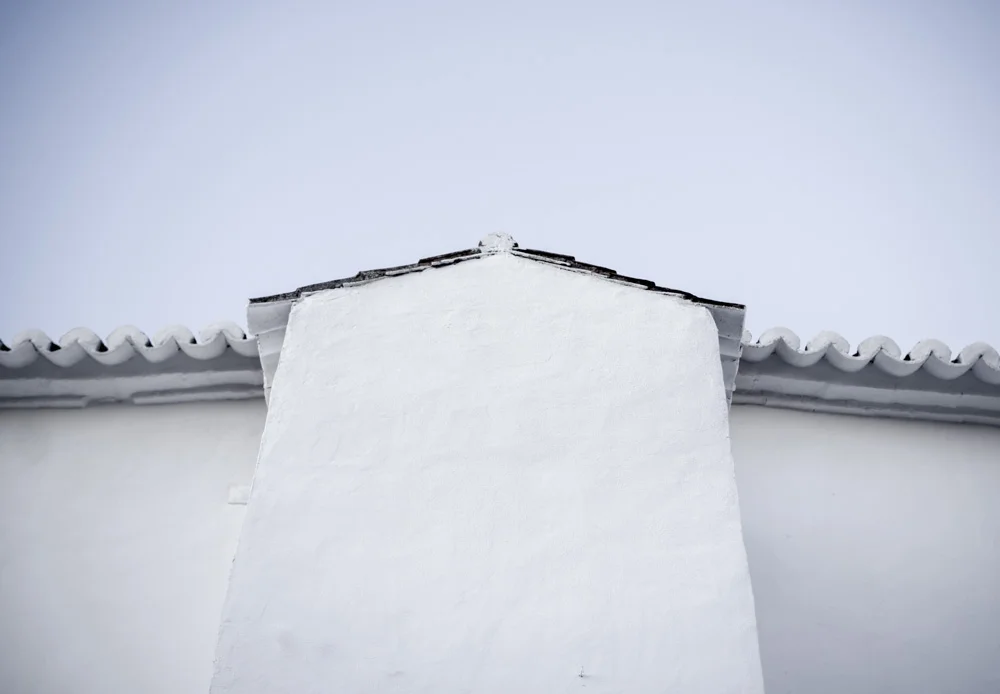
{"type": "Point", "coordinates": [267, 316]}
{"type": "Point", "coordinates": [492, 244]}
{"type": "Point", "coordinates": [497, 242]}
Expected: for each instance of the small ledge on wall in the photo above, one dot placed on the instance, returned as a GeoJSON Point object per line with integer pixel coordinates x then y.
{"type": "Point", "coordinates": [154, 389]}
{"type": "Point", "coordinates": [239, 495]}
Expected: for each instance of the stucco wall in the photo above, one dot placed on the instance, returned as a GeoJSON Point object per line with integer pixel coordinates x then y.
{"type": "Point", "coordinates": [874, 550]}
{"type": "Point", "coordinates": [498, 476]}
{"type": "Point", "coordinates": [115, 544]}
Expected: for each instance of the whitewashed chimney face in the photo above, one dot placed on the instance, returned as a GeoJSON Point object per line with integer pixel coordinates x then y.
{"type": "Point", "coordinates": [497, 476]}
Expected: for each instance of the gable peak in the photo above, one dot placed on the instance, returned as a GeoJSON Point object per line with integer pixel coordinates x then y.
{"type": "Point", "coordinates": [497, 242]}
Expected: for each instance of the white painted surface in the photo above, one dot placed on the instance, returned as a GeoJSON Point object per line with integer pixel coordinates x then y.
{"type": "Point", "coordinates": [115, 544]}
{"type": "Point", "coordinates": [493, 477]}
{"type": "Point", "coordinates": [874, 549]}
{"type": "Point", "coordinates": [872, 544]}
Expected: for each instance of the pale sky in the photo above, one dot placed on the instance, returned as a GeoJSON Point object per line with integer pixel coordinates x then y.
{"type": "Point", "coordinates": [833, 165]}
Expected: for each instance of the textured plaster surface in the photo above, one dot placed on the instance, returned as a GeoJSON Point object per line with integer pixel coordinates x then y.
{"type": "Point", "coordinates": [115, 544]}
{"type": "Point", "coordinates": [874, 551]}
{"type": "Point", "coordinates": [495, 477]}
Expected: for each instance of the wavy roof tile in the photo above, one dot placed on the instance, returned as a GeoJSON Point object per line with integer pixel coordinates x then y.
{"type": "Point", "coordinates": [877, 378]}
{"type": "Point", "coordinates": [124, 343]}
{"type": "Point", "coordinates": [826, 375]}
{"type": "Point", "coordinates": [878, 351]}
{"type": "Point", "coordinates": [80, 369]}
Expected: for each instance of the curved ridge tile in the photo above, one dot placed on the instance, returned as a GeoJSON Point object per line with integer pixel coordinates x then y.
{"type": "Point", "coordinates": [241, 343]}
{"type": "Point", "coordinates": [72, 347]}
{"type": "Point", "coordinates": [206, 349]}
{"type": "Point", "coordinates": [84, 337]}
{"type": "Point", "coordinates": [17, 355]}
{"type": "Point", "coordinates": [766, 344]}
{"type": "Point", "coordinates": [876, 344]}
{"type": "Point", "coordinates": [231, 330]}
{"type": "Point", "coordinates": [166, 343]}
{"type": "Point", "coordinates": [127, 334]}
{"type": "Point", "coordinates": [877, 349]}
{"type": "Point", "coordinates": [980, 351]}
{"type": "Point", "coordinates": [836, 349]}
{"type": "Point", "coordinates": [38, 338]}
{"type": "Point", "coordinates": [779, 334]}
{"type": "Point", "coordinates": [27, 346]}
{"type": "Point", "coordinates": [827, 339]}
{"type": "Point", "coordinates": [124, 343]}
{"type": "Point", "coordinates": [933, 356]}
{"type": "Point", "coordinates": [928, 348]}
{"type": "Point", "coordinates": [984, 360]}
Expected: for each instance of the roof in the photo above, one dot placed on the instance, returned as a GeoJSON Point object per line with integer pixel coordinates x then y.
{"type": "Point", "coordinates": [491, 244]}
{"type": "Point", "coordinates": [129, 366]}
{"type": "Point", "coordinates": [876, 378]}
{"type": "Point", "coordinates": [929, 382]}
{"type": "Point", "coordinates": [268, 316]}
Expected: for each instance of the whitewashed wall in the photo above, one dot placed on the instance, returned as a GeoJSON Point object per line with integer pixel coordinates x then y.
{"type": "Point", "coordinates": [493, 477]}
{"type": "Point", "coordinates": [874, 550]}
{"type": "Point", "coordinates": [115, 544]}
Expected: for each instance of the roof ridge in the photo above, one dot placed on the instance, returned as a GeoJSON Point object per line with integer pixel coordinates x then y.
{"type": "Point", "coordinates": [492, 244]}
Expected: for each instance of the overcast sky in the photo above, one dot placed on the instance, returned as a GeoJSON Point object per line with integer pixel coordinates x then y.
{"type": "Point", "coordinates": [831, 165]}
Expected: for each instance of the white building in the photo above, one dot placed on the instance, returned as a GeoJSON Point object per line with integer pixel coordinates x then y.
{"type": "Point", "coordinates": [498, 470]}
